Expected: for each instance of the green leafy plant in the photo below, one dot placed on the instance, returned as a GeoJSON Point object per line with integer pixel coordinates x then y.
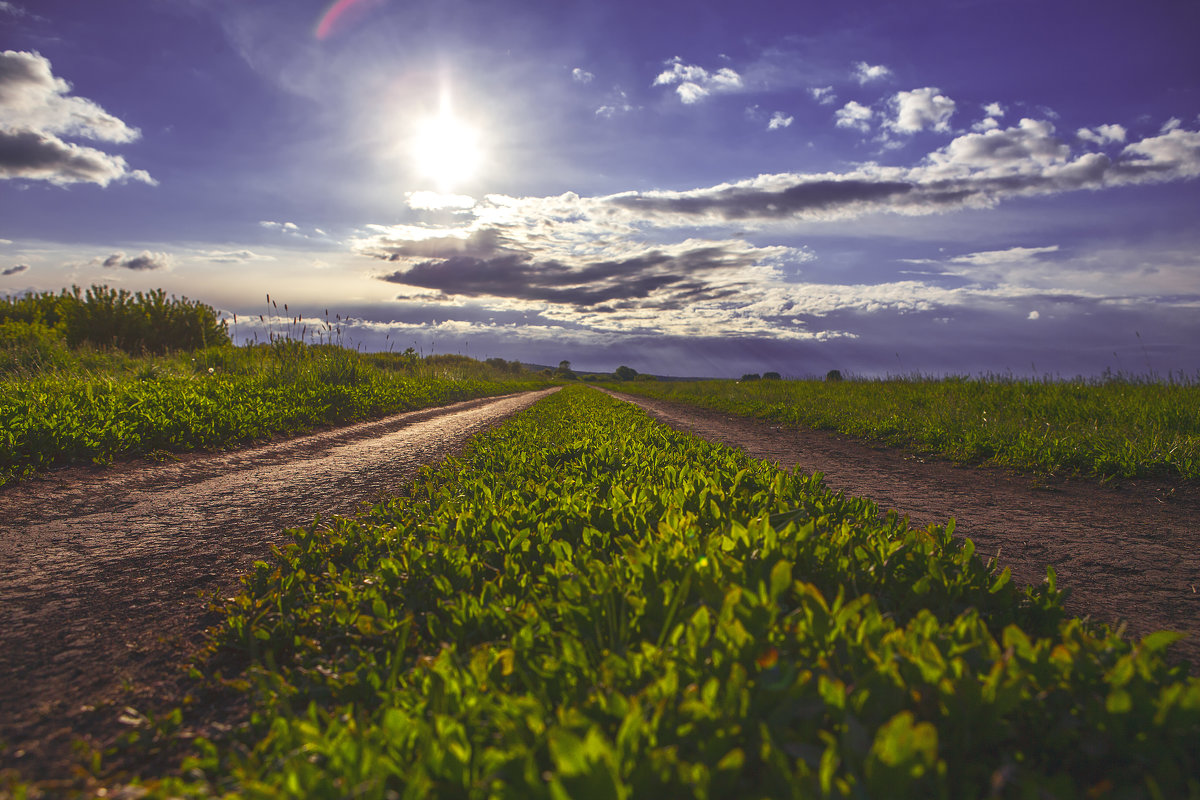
{"type": "Point", "coordinates": [589, 604]}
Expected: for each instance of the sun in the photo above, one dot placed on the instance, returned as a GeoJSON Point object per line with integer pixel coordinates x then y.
{"type": "Point", "coordinates": [446, 149]}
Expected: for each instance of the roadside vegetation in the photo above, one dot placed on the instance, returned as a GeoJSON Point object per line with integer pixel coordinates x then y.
{"type": "Point", "coordinates": [589, 604]}
{"type": "Point", "coordinates": [90, 377]}
{"type": "Point", "coordinates": [1115, 427]}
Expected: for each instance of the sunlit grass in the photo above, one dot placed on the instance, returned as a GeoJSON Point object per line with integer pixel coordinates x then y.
{"type": "Point", "coordinates": [105, 405]}
{"type": "Point", "coordinates": [1117, 427]}
{"type": "Point", "coordinates": [104, 374]}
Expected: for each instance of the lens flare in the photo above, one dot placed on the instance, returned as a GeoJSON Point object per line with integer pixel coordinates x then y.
{"type": "Point", "coordinates": [343, 13]}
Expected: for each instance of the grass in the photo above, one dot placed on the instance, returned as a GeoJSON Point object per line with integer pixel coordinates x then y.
{"type": "Point", "coordinates": [1106, 429]}
{"type": "Point", "coordinates": [589, 604]}
{"type": "Point", "coordinates": [88, 405]}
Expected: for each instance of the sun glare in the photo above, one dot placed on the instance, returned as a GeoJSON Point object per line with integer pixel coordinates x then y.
{"type": "Point", "coordinates": [446, 150]}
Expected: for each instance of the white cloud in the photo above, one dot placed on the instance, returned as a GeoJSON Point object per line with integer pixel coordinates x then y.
{"type": "Point", "coordinates": [921, 109]}
{"type": "Point", "coordinates": [13, 9]}
{"type": "Point", "coordinates": [1105, 272]}
{"type": "Point", "coordinates": [36, 110]}
{"type": "Point", "coordinates": [234, 256]}
{"type": "Point", "coordinates": [779, 120]}
{"type": "Point", "coordinates": [434, 201]}
{"type": "Point", "coordinates": [1102, 135]}
{"type": "Point", "coordinates": [823, 95]}
{"type": "Point", "coordinates": [32, 99]}
{"type": "Point", "coordinates": [294, 230]}
{"type": "Point", "coordinates": [1173, 155]}
{"type": "Point", "coordinates": [580, 75]}
{"type": "Point", "coordinates": [991, 122]}
{"type": "Point", "coordinates": [693, 83]}
{"type": "Point", "coordinates": [855, 116]}
{"type": "Point", "coordinates": [992, 258]}
{"type": "Point", "coordinates": [1028, 148]}
{"type": "Point", "coordinates": [1034, 314]}
{"type": "Point", "coordinates": [1172, 124]}
{"type": "Point", "coordinates": [618, 104]}
{"type": "Point", "coordinates": [865, 73]}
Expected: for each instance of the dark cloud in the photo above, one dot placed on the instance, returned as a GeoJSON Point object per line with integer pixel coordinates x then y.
{"type": "Point", "coordinates": [15, 269]}
{"type": "Point", "coordinates": [976, 169]}
{"type": "Point", "coordinates": [669, 278]}
{"type": "Point", "coordinates": [143, 262]}
{"type": "Point", "coordinates": [36, 156]}
{"type": "Point", "coordinates": [480, 244]}
{"type": "Point", "coordinates": [736, 202]}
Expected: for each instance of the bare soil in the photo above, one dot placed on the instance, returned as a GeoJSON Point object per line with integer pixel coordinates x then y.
{"type": "Point", "coordinates": [105, 570]}
{"type": "Point", "coordinates": [1129, 551]}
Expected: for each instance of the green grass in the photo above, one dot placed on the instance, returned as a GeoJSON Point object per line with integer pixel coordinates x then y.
{"type": "Point", "coordinates": [71, 406]}
{"type": "Point", "coordinates": [1105, 429]}
{"type": "Point", "coordinates": [588, 604]}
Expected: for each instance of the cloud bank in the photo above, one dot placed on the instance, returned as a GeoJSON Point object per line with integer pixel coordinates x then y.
{"type": "Point", "coordinates": [640, 262]}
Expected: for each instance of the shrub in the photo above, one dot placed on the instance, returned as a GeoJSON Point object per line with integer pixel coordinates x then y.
{"type": "Point", "coordinates": [625, 373]}
{"type": "Point", "coordinates": [142, 322]}
{"type": "Point", "coordinates": [751, 376]}
{"type": "Point", "coordinates": [833, 376]}
{"type": "Point", "coordinates": [771, 376]}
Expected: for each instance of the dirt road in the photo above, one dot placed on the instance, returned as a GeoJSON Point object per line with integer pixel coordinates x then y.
{"type": "Point", "coordinates": [101, 570]}
{"type": "Point", "coordinates": [1128, 552]}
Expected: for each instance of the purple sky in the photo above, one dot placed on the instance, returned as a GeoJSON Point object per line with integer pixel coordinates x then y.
{"type": "Point", "coordinates": [692, 189]}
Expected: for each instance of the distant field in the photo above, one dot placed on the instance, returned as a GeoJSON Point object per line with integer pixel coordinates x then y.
{"type": "Point", "coordinates": [1119, 428]}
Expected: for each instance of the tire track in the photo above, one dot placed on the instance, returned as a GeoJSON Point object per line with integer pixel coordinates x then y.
{"type": "Point", "coordinates": [1129, 552]}
{"type": "Point", "coordinates": [103, 569]}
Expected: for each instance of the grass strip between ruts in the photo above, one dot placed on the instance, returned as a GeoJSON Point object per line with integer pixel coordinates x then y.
{"type": "Point", "coordinates": [588, 604]}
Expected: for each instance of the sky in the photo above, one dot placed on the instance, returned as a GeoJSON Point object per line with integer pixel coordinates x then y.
{"type": "Point", "coordinates": [692, 189]}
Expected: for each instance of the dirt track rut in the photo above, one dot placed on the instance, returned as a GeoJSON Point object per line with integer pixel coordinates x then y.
{"type": "Point", "coordinates": [1129, 552]}
{"type": "Point", "coordinates": [102, 569]}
